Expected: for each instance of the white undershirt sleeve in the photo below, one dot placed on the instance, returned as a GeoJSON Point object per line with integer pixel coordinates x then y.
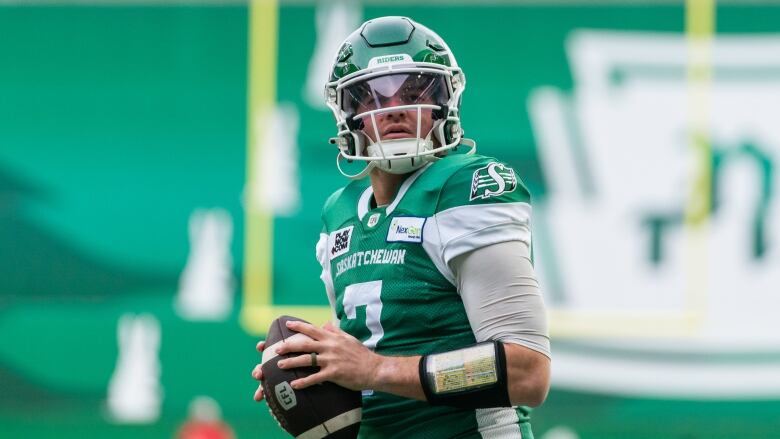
{"type": "Point", "coordinates": [501, 295]}
{"type": "Point", "coordinates": [322, 257]}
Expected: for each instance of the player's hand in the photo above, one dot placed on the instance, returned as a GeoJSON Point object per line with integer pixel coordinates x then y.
{"type": "Point", "coordinates": [341, 357]}
{"type": "Point", "coordinates": [257, 373]}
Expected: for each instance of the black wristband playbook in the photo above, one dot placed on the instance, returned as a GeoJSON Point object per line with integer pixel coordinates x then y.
{"type": "Point", "coordinates": [471, 377]}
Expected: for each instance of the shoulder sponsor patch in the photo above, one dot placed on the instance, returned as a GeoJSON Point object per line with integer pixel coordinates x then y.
{"type": "Point", "coordinates": [338, 242]}
{"type": "Point", "coordinates": [406, 229]}
{"type": "Point", "coordinates": [492, 180]}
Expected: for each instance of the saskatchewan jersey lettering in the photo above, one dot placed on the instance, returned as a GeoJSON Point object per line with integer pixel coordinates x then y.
{"type": "Point", "coordinates": [368, 257]}
{"type": "Point", "coordinates": [386, 272]}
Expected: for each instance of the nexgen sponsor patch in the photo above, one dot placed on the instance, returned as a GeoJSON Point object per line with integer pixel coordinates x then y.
{"type": "Point", "coordinates": [406, 229]}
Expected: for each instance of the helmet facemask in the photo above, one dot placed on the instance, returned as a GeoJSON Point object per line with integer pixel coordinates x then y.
{"type": "Point", "coordinates": [396, 119]}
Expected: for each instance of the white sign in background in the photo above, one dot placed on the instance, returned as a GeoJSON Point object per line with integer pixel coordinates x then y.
{"type": "Point", "coordinates": [616, 154]}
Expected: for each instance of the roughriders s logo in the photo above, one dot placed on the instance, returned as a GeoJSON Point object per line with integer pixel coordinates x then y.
{"type": "Point", "coordinates": [492, 180]}
{"type": "Point", "coordinates": [338, 241]}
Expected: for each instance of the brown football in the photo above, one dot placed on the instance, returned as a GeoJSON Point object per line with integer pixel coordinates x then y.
{"type": "Point", "coordinates": [323, 410]}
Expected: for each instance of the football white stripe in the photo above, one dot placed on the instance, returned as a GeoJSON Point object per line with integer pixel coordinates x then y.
{"type": "Point", "coordinates": [269, 353]}
{"type": "Point", "coordinates": [344, 420]}
{"type": "Point", "coordinates": [317, 432]}
{"type": "Point", "coordinates": [333, 424]}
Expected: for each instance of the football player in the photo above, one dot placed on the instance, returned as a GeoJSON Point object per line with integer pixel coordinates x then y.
{"type": "Point", "coordinates": [427, 265]}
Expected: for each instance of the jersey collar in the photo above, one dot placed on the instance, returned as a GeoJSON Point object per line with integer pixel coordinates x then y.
{"type": "Point", "coordinates": [364, 203]}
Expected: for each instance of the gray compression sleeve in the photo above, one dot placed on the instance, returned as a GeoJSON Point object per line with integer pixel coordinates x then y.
{"type": "Point", "coordinates": [501, 295]}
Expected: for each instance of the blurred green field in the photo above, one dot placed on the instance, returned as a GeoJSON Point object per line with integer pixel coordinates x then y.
{"type": "Point", "coordinates": [118, 122]}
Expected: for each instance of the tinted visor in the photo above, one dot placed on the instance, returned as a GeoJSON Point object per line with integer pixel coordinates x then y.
{"type": "Point", "coordinates": [394, 90]}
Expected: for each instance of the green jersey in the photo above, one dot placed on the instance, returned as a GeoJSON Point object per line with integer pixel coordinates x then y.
{"type": "Point", "coordinates": [386, 271]}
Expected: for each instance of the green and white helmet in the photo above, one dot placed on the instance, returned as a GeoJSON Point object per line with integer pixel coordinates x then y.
{"type": "Point", "coordinates": [394, 66]}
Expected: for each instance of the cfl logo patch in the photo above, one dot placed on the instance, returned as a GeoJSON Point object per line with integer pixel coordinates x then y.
{"type": "Point", "coordinates": [339, 241]}
{"type": "Point", "coordinates": [285, 395]}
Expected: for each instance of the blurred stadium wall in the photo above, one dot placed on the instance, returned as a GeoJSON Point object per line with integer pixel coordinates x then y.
{"type": "Point", "coordinates": [163, 164]}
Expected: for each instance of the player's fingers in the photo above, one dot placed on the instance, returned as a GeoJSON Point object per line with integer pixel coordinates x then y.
{"type": "Point", "coordinates": [302, 344]}
{"type": "Point", "coordinates": [303, 360]}
{"type": "Point", "coordinates": [260, 345]}
{"type": "Point", "coordinates": [257, 373]}
{"type": "Point", "coordinates": [259, 394]}
{"type": "Point", "coordinates": [310, 380]}
{"type": "Point", "coordinates": [306, 328]}
{"type": "Point", "coordinates": [330, 327]}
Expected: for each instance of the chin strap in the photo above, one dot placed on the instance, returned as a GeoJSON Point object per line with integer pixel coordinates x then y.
{"type": "Point", "coordinates": [374, 163]}
{"type": "Point", "coordinates": [471, 143]}
{"type": "Point", "coordinates": [369, 167]}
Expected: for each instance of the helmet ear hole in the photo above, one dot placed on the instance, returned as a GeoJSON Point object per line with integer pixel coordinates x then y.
{"type": "Point", "coordinates": [351, 149]}
{"type": "Point", "coordinates": [451, 129]}
{"type": "Point", "coordinates": [346, 143]}
{"type": "Point", "coordinates": [355, 124]}
{"type": "Point", "coordinates": [440, 113]}
{"type": "Point", "coordinates": [356, 143]}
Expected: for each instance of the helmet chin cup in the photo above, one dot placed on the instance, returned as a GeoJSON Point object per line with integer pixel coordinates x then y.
{"type": "Point", "coordinates": [400, 156]}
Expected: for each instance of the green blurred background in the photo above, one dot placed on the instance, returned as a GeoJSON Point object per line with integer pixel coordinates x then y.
{"type": "Point", "coordinates": [123, 166]}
